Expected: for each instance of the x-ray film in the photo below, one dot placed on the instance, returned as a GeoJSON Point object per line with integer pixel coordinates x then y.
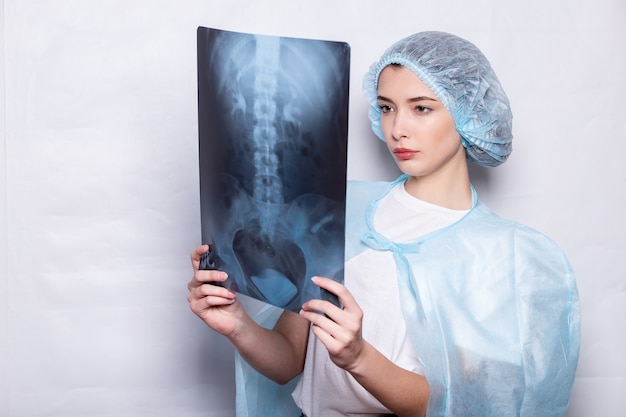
{"type": "Point", "coordinates": [273, 128]}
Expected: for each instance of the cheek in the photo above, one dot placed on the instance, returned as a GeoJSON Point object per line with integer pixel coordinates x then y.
{"type": "Point", "coordinates": [448, 135]}
{"type": "Point", "coordinates": [449, 143]}
{"type": "Point", "coordinates": [385, 127]}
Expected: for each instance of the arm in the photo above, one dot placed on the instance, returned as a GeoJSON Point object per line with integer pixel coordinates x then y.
{"type": "Point", "coordinates": [403, 392]}
{"type": "Point", "coordinates": [278, 353]}
{"type": "Point", "coordinates": [549, 327]}
{"type": "Point", "coordinates": [406, 396]}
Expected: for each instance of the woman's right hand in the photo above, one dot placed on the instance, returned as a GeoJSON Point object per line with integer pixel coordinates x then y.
{"type": "Point", "coordinates": [277, 353]}
{"type": "Point", "coordinates": [217, 306]}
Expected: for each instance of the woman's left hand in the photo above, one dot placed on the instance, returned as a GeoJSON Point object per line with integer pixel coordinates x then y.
{"type": "Point", "coordinates": [339, 330]}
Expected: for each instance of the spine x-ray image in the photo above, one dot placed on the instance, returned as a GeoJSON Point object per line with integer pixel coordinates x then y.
{"type": "Point", "coordinates": [273, 127]}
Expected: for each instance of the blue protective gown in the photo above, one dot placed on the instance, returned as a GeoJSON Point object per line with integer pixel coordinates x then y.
{"type": "Point", "coordinates": [490, 305]}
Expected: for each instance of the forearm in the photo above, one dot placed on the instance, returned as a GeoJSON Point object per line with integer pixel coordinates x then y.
{"type": "Point", "coordinates": [403, 392]}
{"type": "Point", "coordinates": [277, 353]}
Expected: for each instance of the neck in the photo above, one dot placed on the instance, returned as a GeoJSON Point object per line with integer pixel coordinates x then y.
{"type": "Point", "coordinates": [450, 189]}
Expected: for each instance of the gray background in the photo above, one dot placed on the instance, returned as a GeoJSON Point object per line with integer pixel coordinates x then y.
{"type": "Point", "coordinates": [99, 203]}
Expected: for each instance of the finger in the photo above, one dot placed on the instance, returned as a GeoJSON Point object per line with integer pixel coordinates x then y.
{"type": "Point", "coordinates": [322, 322]}
{"type": "Point", "coordinates": [196, 254]}
{"type": "Point", "coordinates": [324, 307]}
{"type": "Point", "coordinates": [327, 339]}
{"type": "Point", "coordinates": [203, 277]}
{"type": "Point", "coordinates": [340, 324]}
{"type": "Point", "coordinates": [206, 304]}
{"type": "Point", "coordinates": [210, 295]}
{"type": "Point", "coordinates": [212, 301]}
{"type": "Point", "coordinates": [330, 285]}
{"type": "Point", "coordinates": [332, 336]}
{"type": "Point", "coordinates": [206, 290]}
{"type": "Point", "coordinates": [209, 276]}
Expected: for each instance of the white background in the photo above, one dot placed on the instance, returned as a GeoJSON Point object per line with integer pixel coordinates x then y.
{"type": "Point", "coordinates": [99, 202]}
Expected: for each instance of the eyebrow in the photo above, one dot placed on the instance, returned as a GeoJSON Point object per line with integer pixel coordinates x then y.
{"type": "Point", "coordinates": [411, 100]}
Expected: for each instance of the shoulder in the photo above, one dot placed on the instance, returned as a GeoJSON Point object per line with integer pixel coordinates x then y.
{"type": "Point", "coordinates": [525, 245]}
{"type": "Point", "coordinates": [482, 219]}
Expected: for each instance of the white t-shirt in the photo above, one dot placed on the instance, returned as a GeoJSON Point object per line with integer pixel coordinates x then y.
{"type": "Point", "coordinates": [326, 390]}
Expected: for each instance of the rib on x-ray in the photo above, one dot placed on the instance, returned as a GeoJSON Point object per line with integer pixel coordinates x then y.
{"type": "Point", "coordinates": [273, 115]}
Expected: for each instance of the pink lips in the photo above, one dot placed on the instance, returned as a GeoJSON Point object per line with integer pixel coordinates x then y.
{"type": "Point", "coordinates": [403, 153]}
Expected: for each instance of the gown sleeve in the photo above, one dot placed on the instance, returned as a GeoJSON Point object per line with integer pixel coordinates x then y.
{"type": "Point", "coordinates": [548, 309]}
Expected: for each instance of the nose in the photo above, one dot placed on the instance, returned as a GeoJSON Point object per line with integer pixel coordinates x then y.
{"type": "Point", "coordinates": [400, 126]}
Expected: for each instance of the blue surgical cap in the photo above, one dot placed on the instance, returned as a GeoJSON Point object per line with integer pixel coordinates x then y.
{"type": "Point", "coordinates": [463, 80]}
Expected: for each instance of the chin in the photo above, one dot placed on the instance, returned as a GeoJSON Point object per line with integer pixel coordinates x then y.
{"type": "Point", "coordinates": [410, 169]}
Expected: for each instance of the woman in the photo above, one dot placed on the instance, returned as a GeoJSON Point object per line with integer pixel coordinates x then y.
{"type": "Point", "coordinates": [449, 310]}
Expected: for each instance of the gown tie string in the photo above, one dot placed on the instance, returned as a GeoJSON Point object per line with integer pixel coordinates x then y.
{"type": "Point", "coordinates": [379, 242]}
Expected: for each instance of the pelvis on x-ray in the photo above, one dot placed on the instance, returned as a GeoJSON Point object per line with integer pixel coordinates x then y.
{"type": "Point", "coordinates": [273, 139]}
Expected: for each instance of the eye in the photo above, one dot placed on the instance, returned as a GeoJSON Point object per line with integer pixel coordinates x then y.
{"type": "Point", "coordinates": [384, 108]}
{"type": "Point", "coordinates": [422, 109]}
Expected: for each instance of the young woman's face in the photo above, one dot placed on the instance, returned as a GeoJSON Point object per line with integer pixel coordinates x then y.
{"type": "Point", "coordinates": [419, 131]}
